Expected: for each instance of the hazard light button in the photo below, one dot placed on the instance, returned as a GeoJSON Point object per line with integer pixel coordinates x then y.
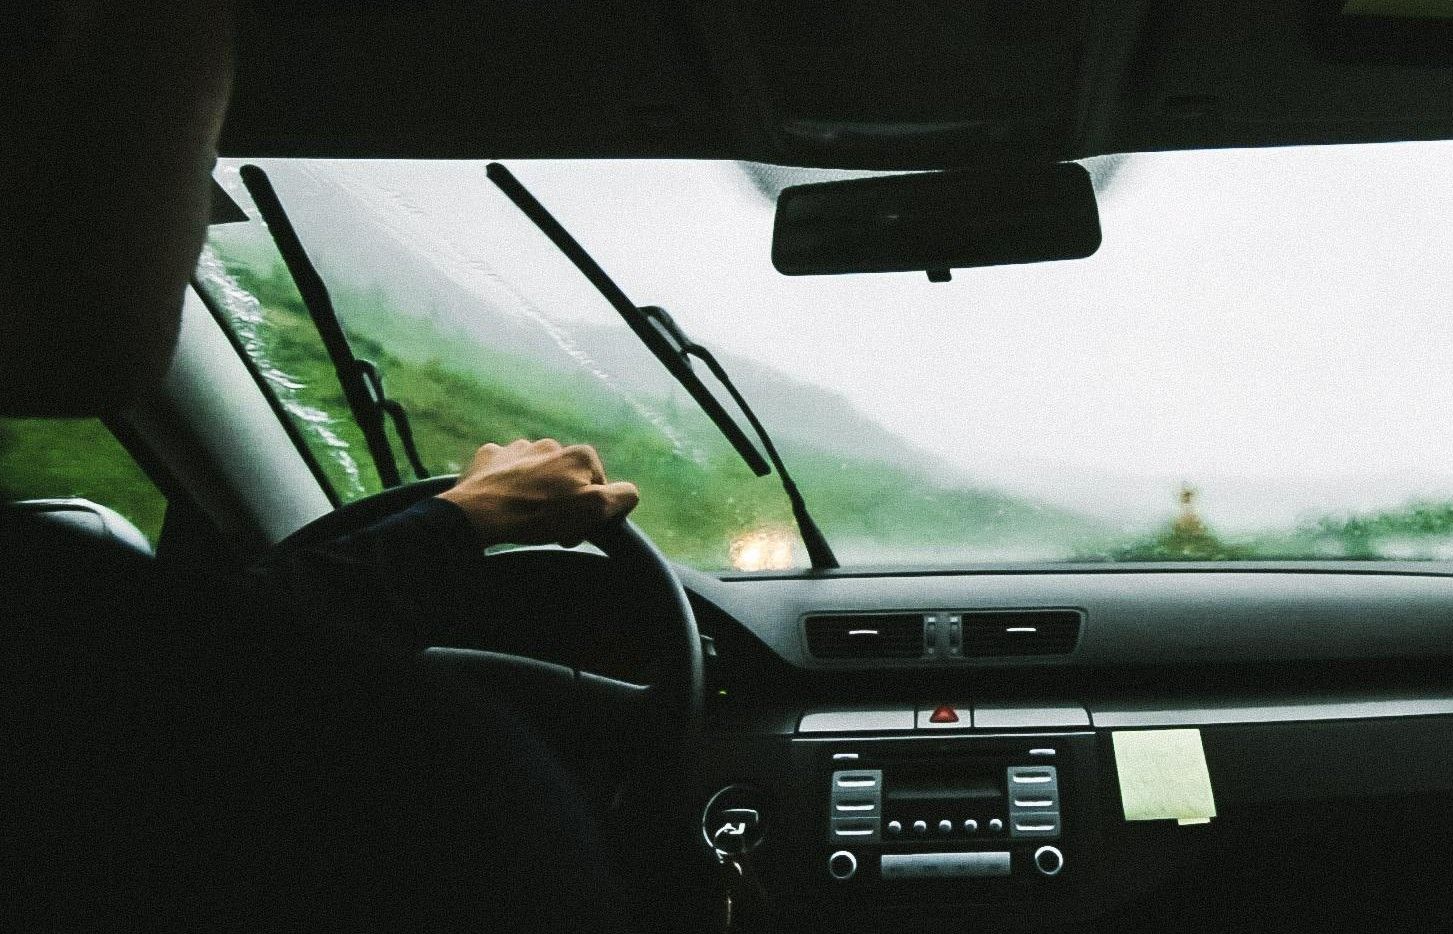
{"type": "Point", "coordinates": [945, 717]}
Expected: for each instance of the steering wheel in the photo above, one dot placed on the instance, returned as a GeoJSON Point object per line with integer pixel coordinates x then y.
{"type": "Point", "coordinates": [655, 725]}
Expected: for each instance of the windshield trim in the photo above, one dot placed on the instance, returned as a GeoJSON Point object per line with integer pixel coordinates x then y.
{"type": "Point", "coordinates": [279, 411]}
{"type": "Point", "coordinates": [1352, 568]}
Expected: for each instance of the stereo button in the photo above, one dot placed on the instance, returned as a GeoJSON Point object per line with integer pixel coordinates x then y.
{"type": "Point", "coordinates": [866, 780]}
{"type": "Point", "coordinates": [856, 804]}
{"type": "Point", "coordinates": [945, 826]}
{"type": "Point", "coordinates": [1035, 824]}
{"type": "Point", "coordinates": [920, 826]}
{"type": "Point", "coordinates": [850, 828]}
{"type": "Point", "coordinates": [945, 717]}
{"type": "Point", "coordinates": [895, 827]}
{"type": "Point", "coordinates": [971, 826]}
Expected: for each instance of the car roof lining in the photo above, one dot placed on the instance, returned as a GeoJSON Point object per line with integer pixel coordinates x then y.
{"type": "Point", "coordinates": [862, 84]}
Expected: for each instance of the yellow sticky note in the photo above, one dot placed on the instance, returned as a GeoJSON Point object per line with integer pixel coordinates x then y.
{"type": "Point", "coordinates": [1163, 775]}
{"type": "Point", "coordinates": [1410, 9]}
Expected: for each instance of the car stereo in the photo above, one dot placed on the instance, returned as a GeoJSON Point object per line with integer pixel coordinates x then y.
{"type": "Point", "coordinates": [903, 812]}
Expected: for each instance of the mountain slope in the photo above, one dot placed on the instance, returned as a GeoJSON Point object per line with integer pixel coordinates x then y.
{"type": "Point", "coordinates": [475, 364]}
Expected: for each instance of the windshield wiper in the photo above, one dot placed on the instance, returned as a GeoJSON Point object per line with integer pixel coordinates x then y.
{"type": "Point", "coordinates": [361, 381]}
{"type": "Point", "coordinates": [818, 551]}
{"type": "Point", "coordinates": [674, 349]}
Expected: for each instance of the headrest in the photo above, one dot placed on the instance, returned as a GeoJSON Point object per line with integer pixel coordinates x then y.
{"type": "Point", "coordinates": [81, 519]}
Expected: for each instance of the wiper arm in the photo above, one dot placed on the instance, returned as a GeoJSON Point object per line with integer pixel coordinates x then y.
{"type": "Point", "coordinates": [819, 553]}
{"type": "Point", "coordinates": [674, 349]}
{"type": "Point", "coordinates": [361, 381]}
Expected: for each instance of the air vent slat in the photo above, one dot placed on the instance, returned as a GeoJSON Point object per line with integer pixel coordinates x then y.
{"type": "Point", "coordinates": [1021, 632]}
{"type": "Point", "coordinates": [866, 635]}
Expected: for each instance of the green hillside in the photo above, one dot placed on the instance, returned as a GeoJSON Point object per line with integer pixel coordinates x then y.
{"type": "Point", "coordinates": [461, 394]}
{"type": "Point", "coordinates": [696, 494]}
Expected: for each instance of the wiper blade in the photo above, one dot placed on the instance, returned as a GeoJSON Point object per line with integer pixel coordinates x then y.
{"type": "Point", "coordinates": [819, 553]}
{"type": "Point", "coordinates": [655, 341]}
{"type": "Point", "coordinates": [361, 381]}
{"type": "Point", "coordinates": [674, 349]}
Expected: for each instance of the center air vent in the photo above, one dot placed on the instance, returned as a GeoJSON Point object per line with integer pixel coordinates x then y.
{"type": "Point", "coordinates": [866, 635]}
{"type": "Point", "coordinates": [1020, 632]}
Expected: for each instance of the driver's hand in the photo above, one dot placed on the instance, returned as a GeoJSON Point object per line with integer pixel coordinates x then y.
{"type": "Point", "coordinates": [538, 492]}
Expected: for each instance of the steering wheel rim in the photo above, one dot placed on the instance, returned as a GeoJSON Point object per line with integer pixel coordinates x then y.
{"type": "Point", "coordinates": [670, 709]}
{"type": "Point", "coordinates": [679, 693]}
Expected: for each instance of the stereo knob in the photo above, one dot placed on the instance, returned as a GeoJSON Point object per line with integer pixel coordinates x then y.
{"type": "Point", "coordinates": [1049, 860]}
{"type": "Point", "coordinates": [971, 826]}
{"type": "Point", "coordinates": [920, 826]}
{"type": "Point", "coordinates": [842, 865]}
{"type": "Point", "coordinates": [895, 827]}
{"type": "Point", "coordinates": [945, 826]}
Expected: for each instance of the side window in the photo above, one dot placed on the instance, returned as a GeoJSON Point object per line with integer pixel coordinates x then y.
{"type": "Point", "coordinates": [57, 458]}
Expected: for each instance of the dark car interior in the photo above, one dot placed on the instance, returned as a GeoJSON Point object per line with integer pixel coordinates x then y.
{"type": "Point", "coordinates": [868, 748]}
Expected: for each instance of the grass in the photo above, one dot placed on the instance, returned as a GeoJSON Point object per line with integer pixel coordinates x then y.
{"type": "Point", "coordinates": [50, 458]}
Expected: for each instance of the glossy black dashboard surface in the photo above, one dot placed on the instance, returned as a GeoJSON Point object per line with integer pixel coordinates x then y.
{"type": "Point", "coordinates": [1324, 702]}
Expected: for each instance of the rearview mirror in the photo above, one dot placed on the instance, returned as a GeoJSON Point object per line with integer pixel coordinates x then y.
{"type": "Point", "coordinates": [937, 221]}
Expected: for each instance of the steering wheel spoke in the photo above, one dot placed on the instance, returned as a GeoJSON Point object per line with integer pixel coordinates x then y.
{"type": "Point", "coordinates": [629, 701]}
{"type": "Point", "coordinates": [590, 707]}
{"type": "Point", "coordinates": [670, 710]}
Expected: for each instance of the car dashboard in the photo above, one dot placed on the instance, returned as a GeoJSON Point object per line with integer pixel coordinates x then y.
{"type": "Point", "coordinates": [938, 751]}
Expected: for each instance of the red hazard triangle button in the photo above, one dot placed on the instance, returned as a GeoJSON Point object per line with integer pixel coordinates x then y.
{"type": "Point", "coordinates": [944, 713]}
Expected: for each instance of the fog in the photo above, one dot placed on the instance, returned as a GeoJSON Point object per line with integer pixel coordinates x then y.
{"type": "Point", "coordinates": [1270, 326]}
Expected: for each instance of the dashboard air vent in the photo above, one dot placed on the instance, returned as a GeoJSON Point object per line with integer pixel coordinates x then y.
{"type": "Point", "coordinates": [866, 635]}
{"type": "Point", "coordinates": [1021, 632]}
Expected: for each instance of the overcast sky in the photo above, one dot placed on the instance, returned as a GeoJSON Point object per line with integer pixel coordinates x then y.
{"type": "Point", "coordinates": [1273, 326]}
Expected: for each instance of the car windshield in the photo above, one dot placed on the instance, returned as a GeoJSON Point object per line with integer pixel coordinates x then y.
{"type": "Point", "coordinates": [1255, 365]}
